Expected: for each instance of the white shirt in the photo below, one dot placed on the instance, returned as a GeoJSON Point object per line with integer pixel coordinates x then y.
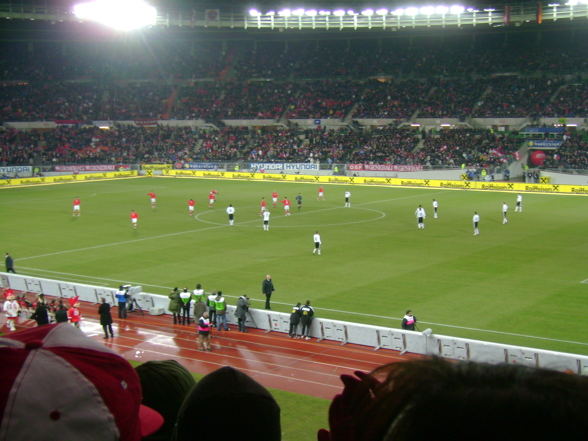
{"type": "Point", "coordinates": [230, 210]}
{"type": "Point", "coordinates": [11, 308]}
{"type": "Point", "coordinates": [266, 215]}
{"type": "Point", "coordinates": [504, 208]}
{"type": "Point", "coordinates": [347, 194]}
{"type": "Point", "coordinates": [519, 198]}
{"type": "Point", "coordinates": [476, 218]}
{"type": "Point", "coordinates": [420, 212]}
{"type": "Point", "coordinates": [435, 204]}
{"type": "Point", "coordinates": [317, 238]}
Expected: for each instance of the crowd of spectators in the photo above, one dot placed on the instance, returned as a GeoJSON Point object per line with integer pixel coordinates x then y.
{"type": "Point", "coordinates": [389, 99]}
{"type": "Point", "coordinates": [504, 96]}
{"type": "Point", "coordinates": [323, 99]}
{"type": "Point", "coordinates": [512, 97]}
{"type": "Point", "coordinates": [468, 146]}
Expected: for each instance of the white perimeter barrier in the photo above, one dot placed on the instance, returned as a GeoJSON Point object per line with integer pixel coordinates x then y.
{"type": "Point", "coordinates": [334, 330]}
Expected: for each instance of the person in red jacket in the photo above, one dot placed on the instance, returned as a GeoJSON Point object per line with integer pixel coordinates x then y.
{"type": "Point", "coordinates": [212, 198]}
{"type": "Point", "coordinates": [74, 315]}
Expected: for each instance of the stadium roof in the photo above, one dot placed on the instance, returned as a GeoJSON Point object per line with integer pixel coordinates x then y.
{"type": "Point", "coordinates": [326, 14]}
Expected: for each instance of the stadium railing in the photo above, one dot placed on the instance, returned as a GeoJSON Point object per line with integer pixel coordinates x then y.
{"type": "Point", "coordinates": [377, 337]}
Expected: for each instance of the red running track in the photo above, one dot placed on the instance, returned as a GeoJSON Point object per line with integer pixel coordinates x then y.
{"type": "Point", "coordinates": [276, 361]}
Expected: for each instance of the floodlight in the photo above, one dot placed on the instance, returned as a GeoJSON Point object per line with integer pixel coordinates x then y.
{"type": "Point", "coordinates": [411, 11]}
{"type": "Point", "coordinates": [572, 3]}
{"type": "Point", "coordinates": [254, 13]}
{"type": "Point", "coordinates": [311, 13]}
{"type": "Point", "coordinates": [489, 9]}
{"type": "Point", "coordinates": [127, 15]}
{"type": "Point", "coordinates": [270, 13]}
{"type": "Point", "coordinates": [441, 10]}
{"type": "Point", "coordinates": [398, 12]}
{"type": "Point", "coordinates": [368, 12]}
{"type": "Point", "coordinates": [298, 12]}
{"type": "Point", "coordinates": [322, 12]}
{"type": "Point", "coordinates": [553, 4]}
{"type": "Point", "coordinates": [469, 10]}
{"type": "Point", "coordinates": [457, 9]}
{"type": "Point", "coordinates": [382, 11]}
{"type": "Point", "coordinates": [339, 13]}
{"type": "Point", "coordinates": [285, 13]}
{"type": "Point", "coordinates": [427, 10]}
{"type": "Point", "coordinates": [351, 12]}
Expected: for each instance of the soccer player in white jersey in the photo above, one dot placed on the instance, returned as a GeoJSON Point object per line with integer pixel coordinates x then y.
{"type": "Point", "coordinates": [420, 215]}
{"type": "Point", "coordinates": [519, 206]}
{"type": "Point", "coordinates": [317, 243]}
{"type": "Point", "coordinates": [476, 221]}
{"type": "Point", "coordinates": [504, 210]}
{"type": "Point", "coordinates": [231, 213]}
{"type": "Point", "coordinates": [347, 198]}
{"type": "Point", "coordinates": [435, 205]}
{"type": "Point", "coordinates": [266, 216]}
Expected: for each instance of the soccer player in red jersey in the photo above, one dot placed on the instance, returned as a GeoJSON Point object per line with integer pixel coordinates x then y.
{"type": "Point", "coordinates": [76, 207]}
{"type": "Point", "coordinates": [286, 203]}
{"type": "Point", "coordinates": [134, 219]}
{"type": "Point", "coordinates": [263, 206]}
{"type": "Point", "coordinates": [321, 194]}
{"type": "Point", "coordinates": [152, 194]}
{"type": "Point", "coordinates": [191, 206]}
{"type": "Point", "coordinates": [212, 198]}
{"type": "Point", "coordinates": [275, 198]}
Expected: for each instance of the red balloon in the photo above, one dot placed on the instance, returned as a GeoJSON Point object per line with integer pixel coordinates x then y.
{"type": "Point", "coordinates": [538, 157]}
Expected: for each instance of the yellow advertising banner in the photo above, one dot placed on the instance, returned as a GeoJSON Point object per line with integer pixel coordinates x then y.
{"type": "Point", "coordinates": [156, 166]}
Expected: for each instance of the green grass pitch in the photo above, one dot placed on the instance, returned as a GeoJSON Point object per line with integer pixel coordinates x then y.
{"type": "Point", "coordinates": [519, 283]}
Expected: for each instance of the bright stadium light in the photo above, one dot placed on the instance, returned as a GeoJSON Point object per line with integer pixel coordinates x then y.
{"type": "Point", "coordinates": [254, 13]}
{"type": "Point", "coordinates": [367, 12]}
{"type": "Point", "coordinates": [285, 13]}
{"type": "Point", "coordinates": [411, 11]}
{"type": "Point", "coordinates": [339, 13]}
{"type": "Point", "coordinates": [457, 9]}
{"type": "Point", "coordinates": [123, 15]}
{"type": "Point", "coordinates": [298, 12]}
{"type": "Point", "coordinates": [441, 10]}
{"type": "Point", "coordinates": [382, 11]}
{"type": "Point", "coordinates": [311, 13]}
{"type": "Point", "coordinates": [398, 12]}
{"type": "Point", "coordinates": [351, 12]}
{"type": "Point", "coordinates": [323, 12]}
{"type": "Point", "coordinates": [427, 10]}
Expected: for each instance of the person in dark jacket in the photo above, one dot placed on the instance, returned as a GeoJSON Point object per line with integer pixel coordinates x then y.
{"type": "Point", "coordinates": [294, 320]}
{"type": "Point", "coordinates": [409, 321]}
{"type": "Point", "coordinates": [241, 312]}
{"type": "Point", "coordinates": [175, 305]}
{"type": "Point", "coordinates": [105, 318]}
{"type": "Point", "coordinates": [61, 313]}
{"type": "Point", "coordinates": [307, 313]}
{"type": "Point", "coordinates": [267, 288]}
{"type": "Point", "coordinates": [41, 314]}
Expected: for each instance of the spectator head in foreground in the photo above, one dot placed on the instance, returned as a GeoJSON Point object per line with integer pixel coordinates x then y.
{"type": "Point", "coordinates": [247, 405]}
{"type": "Point", "coordinates": [434, 398]}
{"type": "Point", "coordinates": [57, 384]}
{"type": "Point", "coordinates": [165, 384]}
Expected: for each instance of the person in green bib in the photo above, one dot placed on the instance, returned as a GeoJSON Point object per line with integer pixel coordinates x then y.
{"type": "Point", "coordinates": [220, 305]}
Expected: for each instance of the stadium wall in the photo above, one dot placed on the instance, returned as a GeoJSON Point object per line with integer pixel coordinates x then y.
{"type": "Point", "coordinates": [343, 332]}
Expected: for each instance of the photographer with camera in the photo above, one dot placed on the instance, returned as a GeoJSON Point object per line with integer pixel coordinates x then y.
{"type": "Point", "coordinates": [241, 312]}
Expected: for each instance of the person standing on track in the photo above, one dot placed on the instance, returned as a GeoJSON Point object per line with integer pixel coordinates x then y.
{"type": "Point", "coordinates": [267, 289]}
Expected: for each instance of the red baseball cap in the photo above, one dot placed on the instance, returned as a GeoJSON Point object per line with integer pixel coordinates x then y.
{"type": "Point", "coordinates": [56, 384]}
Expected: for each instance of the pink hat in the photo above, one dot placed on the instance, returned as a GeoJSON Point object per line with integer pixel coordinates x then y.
{"type": "Point", "coordinates": [58, 384]}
